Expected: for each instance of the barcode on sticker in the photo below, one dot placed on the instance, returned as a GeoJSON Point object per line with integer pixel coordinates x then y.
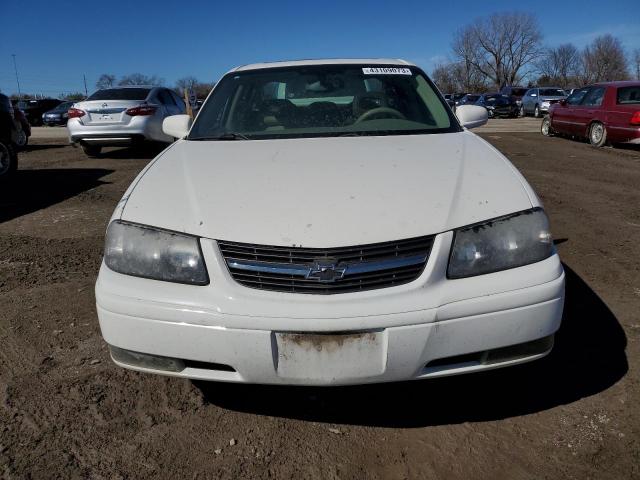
{"type": "Point", "coordinates": [386, 71]}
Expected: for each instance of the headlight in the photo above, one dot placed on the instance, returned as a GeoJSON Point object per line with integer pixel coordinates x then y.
{"type": "Point", "coordinates": [506, 242]}
{"type": "Point", "coordinates": [151, 253]}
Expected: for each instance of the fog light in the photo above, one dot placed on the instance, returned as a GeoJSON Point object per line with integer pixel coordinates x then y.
{"type": "Point", "coordinates": [144, 360]}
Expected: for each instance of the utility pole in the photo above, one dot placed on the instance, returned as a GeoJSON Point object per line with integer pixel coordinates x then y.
{"type": "Point", "coordinates": [16, 70]}
{"type": "Point", "coordinates": [86, 93]}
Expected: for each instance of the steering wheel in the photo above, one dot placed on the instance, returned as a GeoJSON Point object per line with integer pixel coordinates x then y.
{"type": "Point", "coordinates": [374, 112]}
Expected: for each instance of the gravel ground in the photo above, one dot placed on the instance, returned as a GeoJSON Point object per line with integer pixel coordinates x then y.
{"type": "Point", "coordinates": [67, 412]}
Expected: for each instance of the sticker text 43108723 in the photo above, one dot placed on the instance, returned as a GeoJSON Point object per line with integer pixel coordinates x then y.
{"type": "Point", "coordinates": [386, 71]}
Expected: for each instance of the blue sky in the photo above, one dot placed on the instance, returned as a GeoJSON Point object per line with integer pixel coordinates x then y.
{"type": "Point", "coordinates": [56, 42]}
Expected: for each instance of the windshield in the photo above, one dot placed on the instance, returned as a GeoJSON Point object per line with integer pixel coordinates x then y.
{"type": "Point", "coordinates": [64, 106]}
{"type": "Point", "coordinates": [121, 94]}
{"type": "Point", "coordinates": [552, 92]}
{"type": "Point", "coordinates": [497, 99]}
{"type": "Point", "coordinates": [518, 91]}
{"type": "Point", "coordinates": [323, 100]}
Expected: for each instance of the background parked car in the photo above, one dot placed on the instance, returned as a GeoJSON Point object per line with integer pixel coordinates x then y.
{"type": "Point", "coordinates": [604, 112]}
{"type": "Point", "coordinates": [499, 105]}
{"type": "Point", "coordinates": [456, 97]}
{"type": "Point", "coordinates": [514, 92]}
{"type": "Point", "coordinates": [469, 99]}
{"type": "Point", "coordinates": [537, 101]}
{"type": "Point", "coordinates": [8, 156]}
{"type": "Point", "coordinates": [57, 116]}
{"type": "Point", "coordinates": [33, 109]}
{"type": "Point", "coordinates": [448, 97]}
{"type": "Point", "coordinates": [122, 116]}
{"type": "Point", "coordinates": [22, 128]}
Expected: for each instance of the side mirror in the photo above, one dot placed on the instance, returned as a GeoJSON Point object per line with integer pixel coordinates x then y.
{"type": "Point", "coordinates": [177, 126]}
{"type": "Point", "coordinates": [472, 116]}
{"type": "Point", "coordinates": [563, 102]}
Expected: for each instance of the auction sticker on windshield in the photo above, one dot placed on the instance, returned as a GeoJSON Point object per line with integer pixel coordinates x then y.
{"type": "Point", "coordinates": [386, 71]}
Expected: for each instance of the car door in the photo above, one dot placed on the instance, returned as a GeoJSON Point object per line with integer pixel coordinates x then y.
{"type": "Point", "coordinates": [563, 115]}
{"type": "Point", "coordinates": [590, 109]}
{"type": "Point", "coordinates": [527, 101]}
{"type": "Point", "coordinates": [620, 105]}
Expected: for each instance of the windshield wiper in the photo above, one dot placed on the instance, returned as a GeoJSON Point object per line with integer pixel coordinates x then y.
{"type": "Point", "coordinates": [224, 136]}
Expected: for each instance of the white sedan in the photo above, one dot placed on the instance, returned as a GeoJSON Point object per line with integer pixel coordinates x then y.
{"type": "Point", "coordinates": [121, 116]}
{"type": "Point", "coordinates": [328, 222]}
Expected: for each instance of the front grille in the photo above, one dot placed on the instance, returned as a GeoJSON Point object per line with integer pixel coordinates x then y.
{"type": "Point", "coordinates": [327, 270]}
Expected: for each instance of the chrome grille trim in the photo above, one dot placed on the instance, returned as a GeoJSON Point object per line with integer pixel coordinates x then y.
{"type": "Point", "coordinates": [303, 270]}
{"type": "Point", "coordinates": [359, 268]}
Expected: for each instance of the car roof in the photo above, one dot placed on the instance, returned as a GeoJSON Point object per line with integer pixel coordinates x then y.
{"type": "Point", "coordinates": [324, 61]}
{"type": "Point", "coordinates": [619, 83]}
{"type": "Point", "coordinates": [132, 86]}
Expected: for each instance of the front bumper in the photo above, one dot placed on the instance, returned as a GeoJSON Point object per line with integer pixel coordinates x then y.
{"type": "Point", "coordinates": [503, 112]}
{"type": "Point", "coordinates": [228, 332]}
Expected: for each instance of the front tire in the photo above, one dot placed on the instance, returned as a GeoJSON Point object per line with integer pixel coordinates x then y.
{"type": "Point", "coordinates": [8, 161]}
{"type": "Point", "coordinates": [597, 134]}
{"type": "Point", "coordinates": [91, 151]}
{"type": "Point", "coordinates": [22, 139]}
{"type": "Point", "coordinates": [536, 112]}
{"type": "Point", "coordinates": [545, 127]}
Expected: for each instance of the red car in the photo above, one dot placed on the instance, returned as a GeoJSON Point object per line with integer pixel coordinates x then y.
{"type": "Point", "coordinates": [604, 112]}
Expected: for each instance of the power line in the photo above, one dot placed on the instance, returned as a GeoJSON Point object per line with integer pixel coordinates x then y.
{"type": "Point", "coordinates": [16, 70]}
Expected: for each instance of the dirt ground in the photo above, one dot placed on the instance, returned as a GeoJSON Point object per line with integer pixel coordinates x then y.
{"type": "Point", "coordinates": [67, 412]}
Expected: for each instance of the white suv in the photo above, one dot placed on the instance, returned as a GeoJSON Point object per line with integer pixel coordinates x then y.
{"type": "Point", "coordinates": [328, 222]}
{"type": "Point", "coordinates": [122, 116]}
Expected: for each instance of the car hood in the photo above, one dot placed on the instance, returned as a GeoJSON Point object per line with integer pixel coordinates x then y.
{"type": "Point", "coordinates": [326, 192]}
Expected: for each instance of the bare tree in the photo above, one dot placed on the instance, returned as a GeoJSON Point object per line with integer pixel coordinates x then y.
{"type": "Point", "coordinates": [442, 76]}
{"type": "Point", "coordinates": [604, 61]}
{"type": "Point", "coordinates": [72, 97]}
{"type": "Point", "coordinates": [185, 82]}
{"type": "Point", "coordinates": [105, 80]}
{"type": "Point", "coordinates": [499, 47]}
{"type": "Point", "coordinates": [201, 89]}
{"type": "Point", "coordinates": [635, 61]}
{"type": "Point", "coordinates": [559, 66]}
{"type": "Point", "coordinates": [140, 79]}
{"type": "Point", "coordinates": [457, 77]}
